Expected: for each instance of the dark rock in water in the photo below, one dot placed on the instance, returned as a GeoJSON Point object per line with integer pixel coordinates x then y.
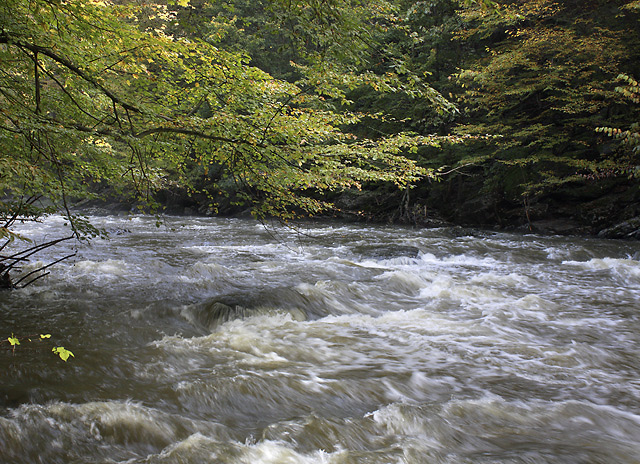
{"type": "Point", "coordinates": [118, 231]}
{"type": "Point", "coordinates": [217, 313]}
{"type": "Point", "coordinates": [12, 397]}
{"type": "Point", "coordinates": [626, 229]}
{"type": "Point", "coordinates": [387, 251]}
{"type": "Point", "coordinates": [208, 316]}
{"type": "Point", "coordinates": [5, 278]}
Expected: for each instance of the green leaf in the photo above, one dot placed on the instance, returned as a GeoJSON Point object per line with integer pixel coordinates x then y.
{"type": "Point", "coordinates": [13, 340]}
{"type": "Point", "coordinates": [62, 352]}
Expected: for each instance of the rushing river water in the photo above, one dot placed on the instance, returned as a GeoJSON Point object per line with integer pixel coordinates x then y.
{"type": "Point", "coordinates": [214, 341]}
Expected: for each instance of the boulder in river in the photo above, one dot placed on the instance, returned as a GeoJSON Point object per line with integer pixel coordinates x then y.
{"type": "Point", "coordinates": [625, 229]}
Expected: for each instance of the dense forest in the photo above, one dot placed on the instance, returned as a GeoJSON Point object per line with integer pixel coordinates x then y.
{"type": "Point", "coordinates": [514, 114]}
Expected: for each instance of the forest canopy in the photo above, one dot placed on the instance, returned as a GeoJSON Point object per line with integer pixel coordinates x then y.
{"type": "Point", "coordinates": [104, 94]}
{"type": "Point", "coordinates": [283, 106]}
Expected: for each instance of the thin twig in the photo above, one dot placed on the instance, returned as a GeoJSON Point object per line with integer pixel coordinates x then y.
{"type": "Point", "coordinates": [41, 269]}
{"type": "Point", "coordinates": [35, 249]}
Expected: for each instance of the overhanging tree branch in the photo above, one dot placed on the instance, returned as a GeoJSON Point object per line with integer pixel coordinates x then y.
{"type": "Point", "coordinates": [195, 133]}
{"type": "Point", "coordinates": [5, 38]}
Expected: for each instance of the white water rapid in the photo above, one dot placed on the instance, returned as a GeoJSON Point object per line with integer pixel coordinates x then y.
{"type": "Point", "coordinates": [216, 341]}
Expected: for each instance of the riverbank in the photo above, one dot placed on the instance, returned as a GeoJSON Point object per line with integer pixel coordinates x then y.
{"type": "Point", "coordinates": [608, 208]}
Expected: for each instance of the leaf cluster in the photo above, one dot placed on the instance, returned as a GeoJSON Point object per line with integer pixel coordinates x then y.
{"type": "Point", "coordinates": [14, 341]}
{"type": "Point", "coordinates": [108, 97]}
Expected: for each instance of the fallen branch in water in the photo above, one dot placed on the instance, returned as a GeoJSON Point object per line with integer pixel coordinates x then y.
{"type": "Point", "coordinates": [41, 269]}
{"type": "Point", "coordinates": [10, 263]}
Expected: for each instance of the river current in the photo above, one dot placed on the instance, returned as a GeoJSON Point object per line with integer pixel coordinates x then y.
{"type": "Point", "coordinates": [222, 341]}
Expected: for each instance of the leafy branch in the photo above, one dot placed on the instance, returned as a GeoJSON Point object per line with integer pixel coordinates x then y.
{"type": "Point", "coordinates": [631, 92]}
{"type": "Point", "coordinates": [6, 38]}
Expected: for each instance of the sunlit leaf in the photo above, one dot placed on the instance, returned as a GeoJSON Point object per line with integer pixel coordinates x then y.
{"type": "Point", "coordinates": [62, 352]}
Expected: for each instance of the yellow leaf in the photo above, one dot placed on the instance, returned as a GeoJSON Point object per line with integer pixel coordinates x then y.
{"type": "Point", "coordinates": [63, 353]}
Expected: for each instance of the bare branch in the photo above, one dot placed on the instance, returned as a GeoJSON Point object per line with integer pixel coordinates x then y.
{"type": "Point", "coordinates": [40, 269]}
{"type": "Point", "coordinates": [24, 254]}
{"type": "Point", "coordinates": [195, 133]}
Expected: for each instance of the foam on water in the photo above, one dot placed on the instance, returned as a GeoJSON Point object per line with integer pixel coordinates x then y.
{"type": "Point", "coordinates": [117, 430]}
{"type": "Point", "coordinates": [108, 268]}
{"type": "Point", "coordinates": [208, 341]}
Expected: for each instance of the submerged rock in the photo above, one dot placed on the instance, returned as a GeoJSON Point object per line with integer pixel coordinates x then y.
{"type": "Point", "coordinates": [387, 251]}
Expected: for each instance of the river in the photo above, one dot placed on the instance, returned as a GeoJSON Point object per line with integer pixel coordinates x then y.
{"type": "Point", "coordinates": [222, 341]}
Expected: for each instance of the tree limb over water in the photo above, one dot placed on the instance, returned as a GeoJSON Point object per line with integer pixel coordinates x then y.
{"type": "Point", "coordinates": [94, 99]}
